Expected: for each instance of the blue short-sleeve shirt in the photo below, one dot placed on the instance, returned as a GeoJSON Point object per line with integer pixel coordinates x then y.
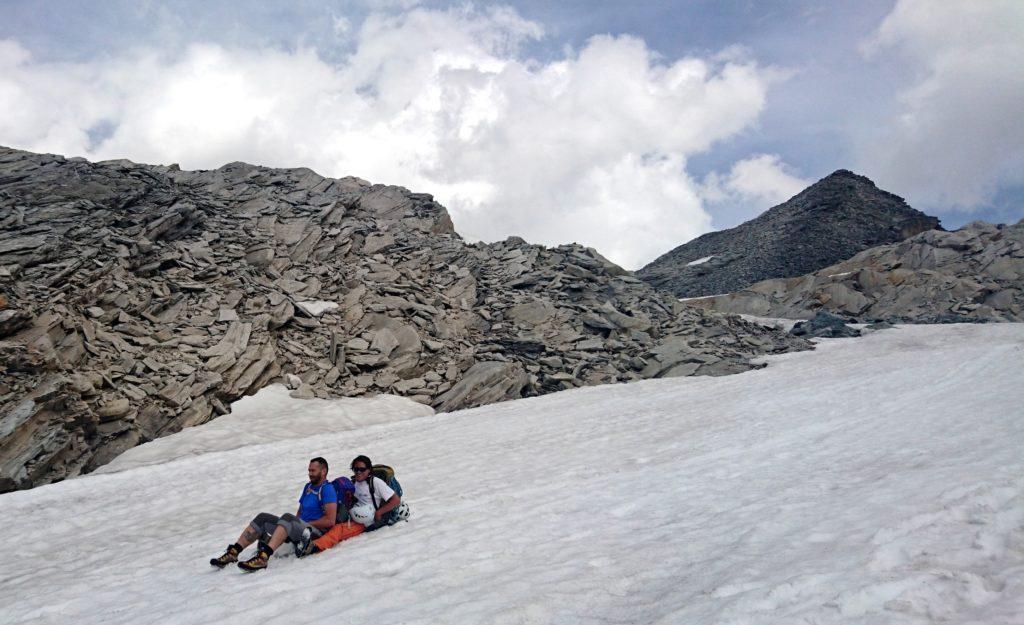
{"type": "Point", "coordinates": [314, 498]}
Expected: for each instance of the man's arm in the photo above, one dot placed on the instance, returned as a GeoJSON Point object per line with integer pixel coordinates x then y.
{"type": "Point", "coordinates": [326, 522]}
{"type": "Point", "coordinates": [388, 506]}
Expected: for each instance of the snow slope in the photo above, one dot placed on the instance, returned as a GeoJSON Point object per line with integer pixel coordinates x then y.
{"type": "Point", "coordinates": [267, 416]}
{"type": "Point", "coordinates": [874, 480]}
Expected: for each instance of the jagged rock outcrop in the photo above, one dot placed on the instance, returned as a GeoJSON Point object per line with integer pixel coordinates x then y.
{"type": "Point", "coordinates": [138, 300]}
{"type": "Point", "coordinates": [824, 325]}
{"type": "Point", "coordinates": [829, 221]}
{"type": "Point", "coordinates": [973, 274]}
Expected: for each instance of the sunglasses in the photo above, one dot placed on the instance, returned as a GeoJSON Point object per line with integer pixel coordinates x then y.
{"type": "Point", "coordinates": [360, 469]}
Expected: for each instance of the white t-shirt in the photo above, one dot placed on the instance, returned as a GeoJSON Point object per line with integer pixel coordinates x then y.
{"type": "Point", "coordinates": [382, 492]}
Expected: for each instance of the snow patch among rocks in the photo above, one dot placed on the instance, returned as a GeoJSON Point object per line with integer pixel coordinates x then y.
{"type": "Point", "coordinates": [270, 416]}
{"type": "Point", "coordinates": [316, 308]}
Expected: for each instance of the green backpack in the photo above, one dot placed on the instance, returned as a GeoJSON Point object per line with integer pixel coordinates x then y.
{"type": "Point", "coordinates": [387, 474]}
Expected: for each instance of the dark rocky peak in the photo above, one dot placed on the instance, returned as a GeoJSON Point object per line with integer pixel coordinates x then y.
{"type": "Point", "coordinates": [841, 174]}
{"type": "Point", "coordinates": [842, 190]}
{"type": "Point", "coordinates": [829, 221]}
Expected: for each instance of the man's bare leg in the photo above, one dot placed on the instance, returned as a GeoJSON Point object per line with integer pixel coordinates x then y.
{"type": "Point", "coordinates": [277, 538]}
{"type": "Point", "coordinates": [249, 536]}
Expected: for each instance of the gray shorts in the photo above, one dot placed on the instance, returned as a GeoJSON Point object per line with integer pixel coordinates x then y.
{"type": "Point", "coordinates": [264, 523]}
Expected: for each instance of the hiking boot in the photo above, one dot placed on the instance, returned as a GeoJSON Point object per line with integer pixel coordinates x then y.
{"type": "Point", "coordinates": [306, 549]}
{"type": "Point", "coordinates": [305, 545]}
{"type": "Point", "coordinates": [258, 561]}
{"type": "Point", "coordinates": [230, 555]}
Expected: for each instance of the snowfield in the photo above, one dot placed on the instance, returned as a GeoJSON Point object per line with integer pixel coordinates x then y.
{"type": "Point", "coordinates": [269, 415]}
{"type": "Point", "coordinates": [874, 480]}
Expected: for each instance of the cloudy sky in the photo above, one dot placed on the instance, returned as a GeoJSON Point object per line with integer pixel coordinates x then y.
{"type": "Point", "coordinates": [628, 126]}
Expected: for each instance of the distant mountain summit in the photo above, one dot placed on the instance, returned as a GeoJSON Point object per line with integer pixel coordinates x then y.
{"type": "Point", "coordinates": [832, 220]}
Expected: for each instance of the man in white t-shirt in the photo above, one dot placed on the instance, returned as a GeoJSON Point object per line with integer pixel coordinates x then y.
{"type": "Point", "coordinates": [373, 490]}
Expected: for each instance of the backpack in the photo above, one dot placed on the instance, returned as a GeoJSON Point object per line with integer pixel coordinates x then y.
{"type": "Point", "coordinates": [346, 497]}
{"type": "Point", "coordinates": [387, 475]}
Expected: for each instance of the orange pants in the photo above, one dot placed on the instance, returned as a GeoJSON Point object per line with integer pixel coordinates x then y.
{"type": "Point", "coordinates": [341, 531]}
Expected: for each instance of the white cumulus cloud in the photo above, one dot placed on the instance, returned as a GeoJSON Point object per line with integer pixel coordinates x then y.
{"type": "Point", "coordinates": [958, 133]}
{"type": "Point", "coordinates": [761, 181]}
{"type": "Point", "coordinates": [590, 147]}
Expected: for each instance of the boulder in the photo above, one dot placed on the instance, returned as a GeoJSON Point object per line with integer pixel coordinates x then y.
{"type": "Point", "coordinates": [484, 383]}
{"type": "Point", "coordinates": [384, 342]}
{"type": "Point", "coordinates": [531, 313]}
{"type": "Point", "coordinates": [11, 321]}
{"type": "Point", "coordinates": [114, 409]}
{"type": "Point", "coordinates": [824, 325]}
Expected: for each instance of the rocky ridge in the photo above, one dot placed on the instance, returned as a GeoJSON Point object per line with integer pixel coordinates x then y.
{"type": "Point", "coordinates": [973, 274]}
{"type": "Point", "coordinates": [138, 300]}
{"type": "Point", "coordinates": [827, 222]}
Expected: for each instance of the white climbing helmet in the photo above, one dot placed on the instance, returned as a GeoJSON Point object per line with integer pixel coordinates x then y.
{"type": "Point", "coordinates": [363, 514]}
{"type": "Point", "coordinates": [402, 512]}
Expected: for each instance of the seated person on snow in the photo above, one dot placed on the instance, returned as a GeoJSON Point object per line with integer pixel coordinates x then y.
{"type": "Point", "coordinates": [318, 505]}
{"type": "Point", "coordinates": [375, 506]}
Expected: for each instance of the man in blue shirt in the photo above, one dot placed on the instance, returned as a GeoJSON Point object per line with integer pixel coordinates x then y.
{"type": "Point", "coordinates": [318, 506]}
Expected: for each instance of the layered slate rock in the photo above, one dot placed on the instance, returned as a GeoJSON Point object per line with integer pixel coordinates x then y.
{"type": "Point", "coordinates": [825, 223]}
{"type": "Point", "coordinates": [138, 300]}
{"type": "Point", "coordinates": [824, 325]}
{"type": "Point", "coordinates": [974, 274]}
